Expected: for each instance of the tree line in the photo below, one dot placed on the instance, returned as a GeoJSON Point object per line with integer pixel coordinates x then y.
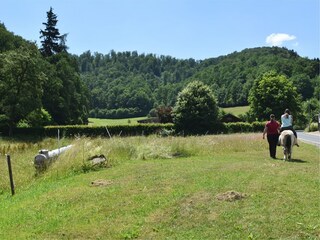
{"type": "Point", "coordinates": [40, 86]}
{"type": "Point", "coordinates": [48, 85]}
{"type": "Point", "coordinates": [126, 84]}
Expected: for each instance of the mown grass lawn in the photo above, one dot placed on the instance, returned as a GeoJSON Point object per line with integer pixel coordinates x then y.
{"type": "Point", "coordinates": [165, 188]}
{"type": "Point", "coordinates": [237, 110]}
{"type": "Point", "coordinates": [127, 121]}
{"type": "Point", "coordinates": [112, 122]}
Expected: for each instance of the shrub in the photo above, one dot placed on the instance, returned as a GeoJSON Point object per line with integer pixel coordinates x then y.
{"type": "Point", "coordinates": [196, 109]}
{"type": "Point", "coordinates": [312, 127]}
{"type": "Point", "coordinates": [129, 130]}
{"type": "Point", "coordinates": [37, 118]}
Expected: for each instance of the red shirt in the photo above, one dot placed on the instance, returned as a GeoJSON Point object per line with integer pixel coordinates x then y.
{"type": "Point", "coordinates": [272, 127]}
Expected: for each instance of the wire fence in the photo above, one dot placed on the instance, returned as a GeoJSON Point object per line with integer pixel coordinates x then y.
{"type": "Point", "coordinates": [22, 162]}
{"type": "Point", "coordinates": [22, 153]}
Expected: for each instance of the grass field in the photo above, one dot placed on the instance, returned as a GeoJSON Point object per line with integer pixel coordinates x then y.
{"type": "Point", "coordinates": [112, 122]}
{"type": "Point", "coordinates": [162, 188]}
{"type": "Point", "coordinates": [237, 110]}
{"type": "Point", "coordinates": [127, 121]}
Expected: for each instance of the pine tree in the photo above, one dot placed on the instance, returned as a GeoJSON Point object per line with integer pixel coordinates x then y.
{"type": "Point", "coordinates": [52, 41]}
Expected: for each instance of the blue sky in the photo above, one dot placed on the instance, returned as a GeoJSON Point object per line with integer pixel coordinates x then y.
{"type": "Point", "coordinates": [183, 29]}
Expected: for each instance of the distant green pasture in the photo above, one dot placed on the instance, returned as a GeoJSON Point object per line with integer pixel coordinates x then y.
{"type": "Point", "coordinates": [112, 122]}
{"type": "Point", "coordinates": [237, 110]}
{"type": "Point", "coordinates": [127, 121]}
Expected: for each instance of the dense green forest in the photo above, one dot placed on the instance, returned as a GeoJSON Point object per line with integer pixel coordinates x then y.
{"type": "Point", "coordinates": [48, 85]}
{"type": "Point", "coordinates": [124, 84]}
{"type": "Point", "coordinates": [40, 86]}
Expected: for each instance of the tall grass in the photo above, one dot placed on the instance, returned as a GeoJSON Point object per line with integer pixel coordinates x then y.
{"type": "Point", "coordinates": [166, 188]}
{"type": "Point", "coordinates": [22, 154]}
{"type": "Point", "coordinates": [118, 150]}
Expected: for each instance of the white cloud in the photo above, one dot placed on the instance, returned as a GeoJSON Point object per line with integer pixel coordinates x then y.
{"type": "Point", "coordinates": [277, 39]}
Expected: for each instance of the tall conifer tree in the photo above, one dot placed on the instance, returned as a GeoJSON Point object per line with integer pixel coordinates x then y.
{"type": "Point", "coordinates": [52, 41]}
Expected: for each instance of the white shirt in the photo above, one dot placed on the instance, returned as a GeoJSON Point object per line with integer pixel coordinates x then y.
{"type": "Point", "coordinates": [286, 122]}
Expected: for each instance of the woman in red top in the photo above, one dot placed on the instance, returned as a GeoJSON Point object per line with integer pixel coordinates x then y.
{"type": "Point", "coordinates": [272, 130]}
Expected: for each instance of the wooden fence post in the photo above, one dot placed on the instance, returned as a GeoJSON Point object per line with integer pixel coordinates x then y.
{"type": "Point", "coordinates": [10, 174]}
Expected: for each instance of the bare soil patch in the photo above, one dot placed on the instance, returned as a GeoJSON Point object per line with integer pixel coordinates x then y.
{"type": "Point", "coordinates": [101, 183]}
{"type": "Point", "coordinates": [230, 196]}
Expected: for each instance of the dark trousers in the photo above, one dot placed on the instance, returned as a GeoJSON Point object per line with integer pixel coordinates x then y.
{"type": "Point", "coordinates": [273, 142]}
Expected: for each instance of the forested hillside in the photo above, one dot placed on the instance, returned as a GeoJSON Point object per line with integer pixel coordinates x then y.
{"type": "Point", "coordinates": [38, 89]}
{"type": "Point", "coordinates": [124, 84]}
{"type": "Point", "coordinates": [130, 84]}
{"type": "Point", "coordinates": [48, 85]}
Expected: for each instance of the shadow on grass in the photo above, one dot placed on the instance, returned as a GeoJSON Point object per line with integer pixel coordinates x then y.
{"type": "Point", "coordinates": [292, 160]}
{"type": "Point", "coordinates": [298, 161]}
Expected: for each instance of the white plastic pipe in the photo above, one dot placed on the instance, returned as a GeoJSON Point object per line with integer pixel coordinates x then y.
{"type": "Point", "coordinates": [42, 160]}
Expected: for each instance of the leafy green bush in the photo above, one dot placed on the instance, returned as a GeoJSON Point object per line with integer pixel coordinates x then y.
{"type": "Point", "coordinates": [196, 109]}
{"type": "Point", "coordinates": [244, 127]}
{"type": "Point", "coordinates": [116, 113]}
{"type": "Point", "coordinates": [120, 130]}
{"type": "Point", "coordinates": [36, 118]}
{"type": "Point", "coordinates": [312, 128]}
{"type": "Point", "coordinates": [129, 130]}
{"type": "Point", "coordinates": [238, 127]}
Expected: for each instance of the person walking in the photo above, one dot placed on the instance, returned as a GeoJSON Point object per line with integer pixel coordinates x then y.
{"type": "Point", "coordinates": [272, 130]}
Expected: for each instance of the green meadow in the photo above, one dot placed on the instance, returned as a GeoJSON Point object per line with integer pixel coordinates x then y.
{"type": "Point", "coordinates": [112, 122]}
{"type": "Point", "coordinates": [200, 187]}
{"type": "Point", "coordinates": [128, 121]}
{"type": "Point", "coordinates": [237, 110]}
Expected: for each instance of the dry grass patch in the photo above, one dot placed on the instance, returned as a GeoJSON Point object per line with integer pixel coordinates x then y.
{"type": "Point", "coordinates": [230, 196]}
{"type": "Point", "coordinates": [101, 183]}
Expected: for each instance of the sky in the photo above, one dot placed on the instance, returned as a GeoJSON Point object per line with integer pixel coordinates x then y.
{"type": "Point", "coordinates": [183, 29]}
